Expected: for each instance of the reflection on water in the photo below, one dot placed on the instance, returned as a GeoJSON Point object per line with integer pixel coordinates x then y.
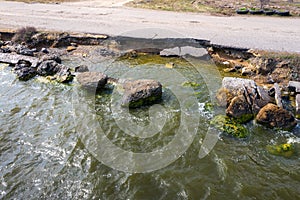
{"type": "Point", "coordinates": [43, 157]}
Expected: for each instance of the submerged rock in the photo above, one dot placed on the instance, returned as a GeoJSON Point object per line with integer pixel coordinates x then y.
{"type": "Point", "coordinates": [141, 92]}
{"type": "Point", "coordinates": [92, 80]}
{"type": "Point", "coordinates": [275, 117]}
{"type": "Point", "coordinates": [285, 150]}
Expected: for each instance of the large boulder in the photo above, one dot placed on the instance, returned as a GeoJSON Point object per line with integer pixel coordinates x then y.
{"type": "Point", "coordinates": [92, 80]}
{"type": "Point", "coordinates": [273, 116]}
{"type": "Point", "coordinates": [141, 92]}
{"type": "Point", "coordinates": [242, 97]}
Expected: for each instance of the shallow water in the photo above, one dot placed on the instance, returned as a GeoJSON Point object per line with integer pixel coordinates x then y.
{"type": "Point", "coordinates": [48, 151]}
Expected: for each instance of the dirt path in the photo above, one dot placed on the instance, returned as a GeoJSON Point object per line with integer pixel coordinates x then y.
{"type": "Point", "coordinates": [268, 33]}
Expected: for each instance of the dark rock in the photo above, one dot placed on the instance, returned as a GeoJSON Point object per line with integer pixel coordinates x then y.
{"type": "Point", "coordinates": [264, 66]}
{"type": "Point", "coordinates": [92, 80]}
{"type": "Point", "coordinates": [54, 57]}
{"type": "Point", "coordinates": [271, 92]}
{"type": "Point", "coordinates": [294, 86]}
{"type": "Point", "coordinates": [48, 68]}
{"type": "Point", "coordinates": [81, 68]}
{"type": "Point", "coordinates": [23, 50]}
{"type": "Point", "coordinates": [141, 92]}
{"type": "Point", "coordinates": [22, 63]}
{"type": "Point", "coordinates": [25, 73]}
{"type": "Point", "coordinates": [238, 67]}
{"type": "Point", "coordinates": [63, 74]}
{"type": "Point", "coordinates": [240, 109]}
{"type": "Point", "coordinates": [5, 50]}
{"type": "Point", "coordinates": [44, 50]}
{"type": "Point", "coordinates": [15, 58]}
{"type": "Point", "coordinates": [275, 117]}
{"type": "Point", "coordinates": [8, 48]}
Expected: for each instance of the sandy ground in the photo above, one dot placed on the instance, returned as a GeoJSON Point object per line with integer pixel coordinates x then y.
{"type": "Point", "coordinates": [99, 3]}
{"type": "Point", "coordinates": [110, 17]}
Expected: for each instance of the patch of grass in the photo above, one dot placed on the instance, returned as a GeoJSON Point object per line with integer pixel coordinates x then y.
{"type": "Point", "coordinates": [224, 7]}
{"type": "Point", "coordinates": [280, 55]}
{"type": "Point", "coordinates": [175, 5]}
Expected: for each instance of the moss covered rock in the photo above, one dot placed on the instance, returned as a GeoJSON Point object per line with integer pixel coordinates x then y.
{"type": "Point", "coordinates": [275, 117]}
{"type": "Point", "coordinates": [230, 126]}
{"type": "Point", "coordinates": [285, 150]}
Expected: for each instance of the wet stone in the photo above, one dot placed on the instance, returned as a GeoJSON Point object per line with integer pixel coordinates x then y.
{"type": "Point", "coordinates": [141, 92]}
{"type": "Point", "coordinates": [92, 80]}
{"type": "Point", "coordinates": [81, 68]}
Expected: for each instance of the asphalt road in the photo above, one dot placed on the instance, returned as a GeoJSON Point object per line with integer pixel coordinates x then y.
{"type": "Point", "coordinates": [110, 17]}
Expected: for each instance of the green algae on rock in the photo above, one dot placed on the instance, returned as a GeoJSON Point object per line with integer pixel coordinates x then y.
{"type": "Point", "coordinates": [190, 84]}
{"type": "Point", "coordinates": [229, 126]}
{"type": "Point", "coordinates": [285, 150]}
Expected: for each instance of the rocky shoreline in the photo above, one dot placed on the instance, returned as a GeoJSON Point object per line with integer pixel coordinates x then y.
{"type": "Point", "coordinates": [265, 83]}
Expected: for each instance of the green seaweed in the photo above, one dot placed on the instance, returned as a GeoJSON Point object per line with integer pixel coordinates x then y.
{"type": "Point", "coordinates": [244, 118]}
{"type": "Point", "coordinates": [230, 126]}
{"type": "Point", "coordinates": [190, 84]}
{"type": "Point", "coordinates": [285, 150]}
{"type": "Point", "coordinates": [208, 106]}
